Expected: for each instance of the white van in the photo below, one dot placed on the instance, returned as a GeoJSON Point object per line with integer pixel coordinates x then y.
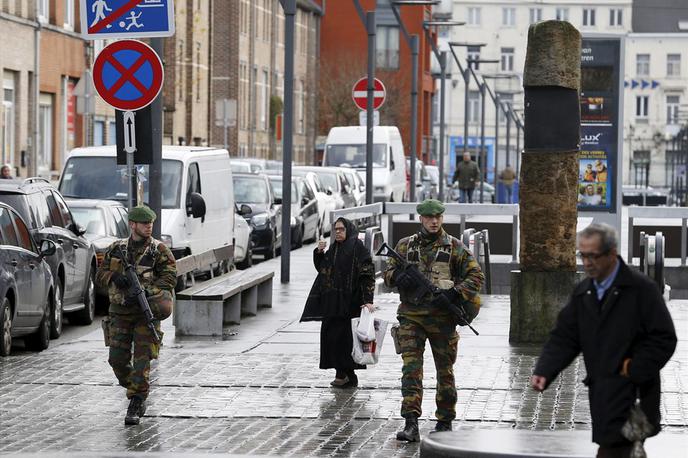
{"type": "Point", "coordinates": [192, 178]}
{"type": "Point", "coordinates": [346, 147]}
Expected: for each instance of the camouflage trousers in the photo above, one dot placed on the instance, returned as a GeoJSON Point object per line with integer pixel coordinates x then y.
{"type": "Point", "coordinates": [441, 332]}
{"type": "Point", "coordinates": [132, 347]}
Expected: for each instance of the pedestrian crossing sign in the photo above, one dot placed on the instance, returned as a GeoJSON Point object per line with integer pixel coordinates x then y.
{"type": "Point", "coordinates": [105, 19]}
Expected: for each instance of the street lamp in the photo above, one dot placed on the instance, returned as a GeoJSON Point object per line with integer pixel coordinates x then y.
{"type": "Point", "coordinates": [413, 43]}
{"type": "Point", "coordinates": [442, 58]}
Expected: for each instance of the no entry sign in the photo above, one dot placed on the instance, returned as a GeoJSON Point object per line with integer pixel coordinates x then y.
{"type": "Point", "coordinates": [128, 75]}
{"type": "Point", "coordinates": [360, 93]}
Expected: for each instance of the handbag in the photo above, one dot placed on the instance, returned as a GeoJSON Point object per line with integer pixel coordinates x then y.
{"type": "Point", "coordinates": [637, 428]}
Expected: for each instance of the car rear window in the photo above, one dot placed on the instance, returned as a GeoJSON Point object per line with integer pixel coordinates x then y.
{"type": "Point", "coordinates": [8, 233]}
{"type": "Point", "coordinates": [19, 203]}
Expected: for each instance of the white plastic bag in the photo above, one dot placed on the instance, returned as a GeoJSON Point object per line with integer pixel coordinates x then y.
{"type": "Point", "coordinates": [365, 330]}
{"type": "Point", "coordinates": [368, 352]}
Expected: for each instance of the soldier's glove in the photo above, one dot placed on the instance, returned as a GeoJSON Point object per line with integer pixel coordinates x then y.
{"type": "Point", "coordinates": [451, 299]}
{"type": "Point", "coordinates": [121, 281]}
{"type": "Point", "coordinates": [402, 279]}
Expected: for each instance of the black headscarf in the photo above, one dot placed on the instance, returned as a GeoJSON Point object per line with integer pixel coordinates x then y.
{"type": "Point", "coordinates": [336, 290]}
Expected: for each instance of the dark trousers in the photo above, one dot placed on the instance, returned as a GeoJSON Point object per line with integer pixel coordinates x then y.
{"type": "Point", "coordinates": [466, 195]}
{"type": "Point", "coordinates": [614, 451]}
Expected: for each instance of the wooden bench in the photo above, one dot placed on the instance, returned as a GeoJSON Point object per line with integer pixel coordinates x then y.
{"type": "Point", "coordinates": [203, 309]}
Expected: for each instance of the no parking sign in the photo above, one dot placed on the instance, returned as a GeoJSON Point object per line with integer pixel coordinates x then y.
{"type": "Point", "coordinates": [128, 74]}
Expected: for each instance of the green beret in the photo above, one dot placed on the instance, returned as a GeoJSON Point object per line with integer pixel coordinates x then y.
{"type": "Point", "coordinates": [430, 207]}
{"type": "Point", "coordinates": [141, 214]}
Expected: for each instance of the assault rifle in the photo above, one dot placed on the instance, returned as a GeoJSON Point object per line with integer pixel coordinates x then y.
{"type": "Point", "coordinates": [137, 291]}
{"type": "Point", "coordinates": [424, 287]}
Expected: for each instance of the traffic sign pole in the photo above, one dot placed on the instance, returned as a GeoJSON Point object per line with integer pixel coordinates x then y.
{"type": "Point", "coordinates": [370, 105]}
{"type": "Point", "coordinates": [130, 148]}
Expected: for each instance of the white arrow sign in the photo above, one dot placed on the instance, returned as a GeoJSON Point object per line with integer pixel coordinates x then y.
{"type": "Point", "coordinates": [129, 132]}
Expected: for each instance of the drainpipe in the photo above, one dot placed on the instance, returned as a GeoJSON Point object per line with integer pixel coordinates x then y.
{"type": "Point", "coordinates": [33, 157]}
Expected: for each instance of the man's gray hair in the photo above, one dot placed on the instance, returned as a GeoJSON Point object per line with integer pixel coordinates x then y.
{"type": "Point", "coordinates": [608, 236]}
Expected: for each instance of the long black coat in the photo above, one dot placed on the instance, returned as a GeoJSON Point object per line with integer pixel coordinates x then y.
{"type": "Point", "coordinates": [631, 321]}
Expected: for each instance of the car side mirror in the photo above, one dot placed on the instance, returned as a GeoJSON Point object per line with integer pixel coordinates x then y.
{"type": "Point", "coordinates": [277, 201]}
{"type": "Point", "coordinates": [47, 248]}
{"type": "Point", "coordinates": [329, 190]}
{"type": "Point", "coordinates": [78, 229]}
{"type": "Point", "coordinates": [245, 210]}
{"type": "Point", "coordinates": [195, 206]}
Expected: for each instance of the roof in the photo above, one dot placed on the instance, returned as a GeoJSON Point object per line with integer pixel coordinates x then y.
{"type": "Point", "coordinates": [92, 203]}
{"type": "Point", "coordinates": [660, 16]}
{"type": "Point", "coordinates": [21, 185]}
{"type": "Point", "coordinates": [168, 151]}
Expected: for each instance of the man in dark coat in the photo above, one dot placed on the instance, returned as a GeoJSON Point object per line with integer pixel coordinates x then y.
{"type": "Point", "coordinates": [618, 319]}
{"type": "Point", "coordinates": [466, 174]}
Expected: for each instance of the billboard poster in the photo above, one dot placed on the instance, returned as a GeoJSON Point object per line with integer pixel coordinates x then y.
{"type": "Point", "coordinates": [599, 103]}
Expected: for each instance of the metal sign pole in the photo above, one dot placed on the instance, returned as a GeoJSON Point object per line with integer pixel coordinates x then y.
{"type": "Point", "coordinates": [370, 25]}
{"type": "Point", "coordinates": [130, 149]}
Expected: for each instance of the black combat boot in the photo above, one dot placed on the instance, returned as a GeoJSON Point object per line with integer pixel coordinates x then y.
{"type": "Point", "coordinates": [410, 431]}
{"type": "Point", "coordinates": [137, 407]}
{"type": "Point", "coordinates": [443, 426]}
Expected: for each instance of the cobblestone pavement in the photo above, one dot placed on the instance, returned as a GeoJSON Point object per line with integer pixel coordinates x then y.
{"type": "Point", "coordinates": [258, 391]}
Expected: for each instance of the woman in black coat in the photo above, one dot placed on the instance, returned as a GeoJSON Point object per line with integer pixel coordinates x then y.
{"type": "Point", "coordinates": [344, 285]}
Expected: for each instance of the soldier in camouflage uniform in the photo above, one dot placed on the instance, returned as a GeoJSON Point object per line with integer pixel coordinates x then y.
{"type": "Point", "coordinates": [157, 273]}
{"type": "Point", "coordinates": [447, 263]}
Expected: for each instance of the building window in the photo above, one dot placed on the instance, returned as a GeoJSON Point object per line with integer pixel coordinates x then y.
{"type": "Point", "coordinates": [45, 131]}
{"type": "Point", "coordinates": [473, 53]}
{"type": "Point", "coordinates": [562, 14]}
{"type": "Point", "coordinates": [302, 108]}
{"type": "Point", "coordinates": [509, 17]}
{"type": "Point", "coordinates": [507, 60]}
{"type": "Point", "coordinates": [264, 101]}
{"type": "Point", "coordinates": [642, 65]}
{"type": "Point", "coordinates": [589, 17]}
{"type": "Point", "coordinates": [505, 101]}
{"type": "Point", "coordinates": [69, 14]}
{"type": "Point", "coordinates": [473, 107]}
{"type": "Point", "coordinates": [243, 17]}
{"type": "Point", "coordinates": [7, 117]}
{"type": "Point", "coordinates": [387, 47]}
{"type": "Point", "coordinates": [43, 10]}
{"type": "Point", "coordinates": [641, 106]}
{"type": "Point", "coordinates": [673, 65]}
{"type": "Point", "coordinates": [673, 102]}
{"type": "Point", "coordinates": [473, 16]}
{"type": "Point", "coordinates": [112, 133]}
{"type": "Point", "coordinates": [535, 15]}
{"type": "Point", "coordinates": [98, 133]}
{"type": "Point", "coordinates": [616, 17]}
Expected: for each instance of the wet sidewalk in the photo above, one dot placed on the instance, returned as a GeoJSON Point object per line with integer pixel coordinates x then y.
{"type": "Point", "coordinates": [258, 391]}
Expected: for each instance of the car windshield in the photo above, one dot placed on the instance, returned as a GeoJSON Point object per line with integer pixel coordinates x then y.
{"type": "Point", "coordinates": [241, 167]}
{"type": "Point", "coordinates": [102, 178]}
{"type": "Point", "coordinates": [92, 219]}
{"type": "Point", "coordinates": [329, 180]}
{"type": "Point", "coordinates": [249, 190]}
{"type": "Point", "coordinates": [277, 188]}
{"type": "Point", "coordinates": [355, 155]}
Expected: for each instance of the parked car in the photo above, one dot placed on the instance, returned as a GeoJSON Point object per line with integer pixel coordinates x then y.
{"type": "Point", "coordinates": [423, 181]}
{"type": "Point", "coordinates": [305, 218]}
{"type": "Point", "coordinates": [356, 184]}
{"type": "Point", "coordinates": [243, 247]}
{"type": "Point", "coordinates": [73, 265]}
{"type": "Point", "coordinates": [105, 222]}
{"type": "Point", "coordinates": [243, 167]}
{"type": "Point", "coordinates": [326, 201]}
{"type": "Point", "coordinates": [26, 284]}
{"type": "Point", "coordinates": [265, 218]}
{"type": "Point", "coordinates": [434, 174]}
{"type": "Point", "coordinates": [489, 195]}
{"type": "Point", "coordinates": [333, 179]}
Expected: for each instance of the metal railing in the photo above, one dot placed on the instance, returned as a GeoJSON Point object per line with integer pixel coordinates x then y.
{"type": "Point", "coordinates": [464, 211]}
{"type": "Point", "coordinates": [659, 213]}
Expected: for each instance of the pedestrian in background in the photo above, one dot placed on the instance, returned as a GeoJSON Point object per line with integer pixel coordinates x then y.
{"type": "Point", "coordinates": [344, 285]}
{"type": "Point", "coordinates": [618, 319]}
{"type": "Point", "coordinates": [466, 174]}
{"type": "Point", "coordinates": [6, 172]}
{"type": "Point", "coordinates": [507, 177]}
{"type": "Point", "coordinates": [450, 266]}
{"type": "Point", "coordinates": [157, 272]}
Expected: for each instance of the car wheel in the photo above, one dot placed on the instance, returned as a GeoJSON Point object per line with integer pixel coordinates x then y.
{"type": "Point", "coordinates": [6, 327]}
{"type": "Point", "coordinates": [248, 259]}
{"type": "Point", "coordinates": [86, 315]}
{"type": "Point", "coordinates": [40, 340]}
{"type": "Point", "coordinates": [56, 312]}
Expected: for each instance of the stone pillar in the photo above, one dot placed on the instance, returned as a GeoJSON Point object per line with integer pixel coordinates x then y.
{"type": "Point", "coordinates": [548, 180]}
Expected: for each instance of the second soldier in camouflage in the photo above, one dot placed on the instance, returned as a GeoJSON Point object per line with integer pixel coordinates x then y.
{"type": "Point", "coordinates": [449, 265]}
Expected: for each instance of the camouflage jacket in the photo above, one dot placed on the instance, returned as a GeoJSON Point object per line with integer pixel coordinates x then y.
{"type": "Point", "coordinates": [155, 266]}
{"type": "Point", "coordinates": [444, 261]}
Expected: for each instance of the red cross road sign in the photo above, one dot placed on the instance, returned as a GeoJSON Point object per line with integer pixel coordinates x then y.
{"type": "Point", "coordinates": [128, 74]}
{"type": "Point", "coordinates": [360, 93]}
